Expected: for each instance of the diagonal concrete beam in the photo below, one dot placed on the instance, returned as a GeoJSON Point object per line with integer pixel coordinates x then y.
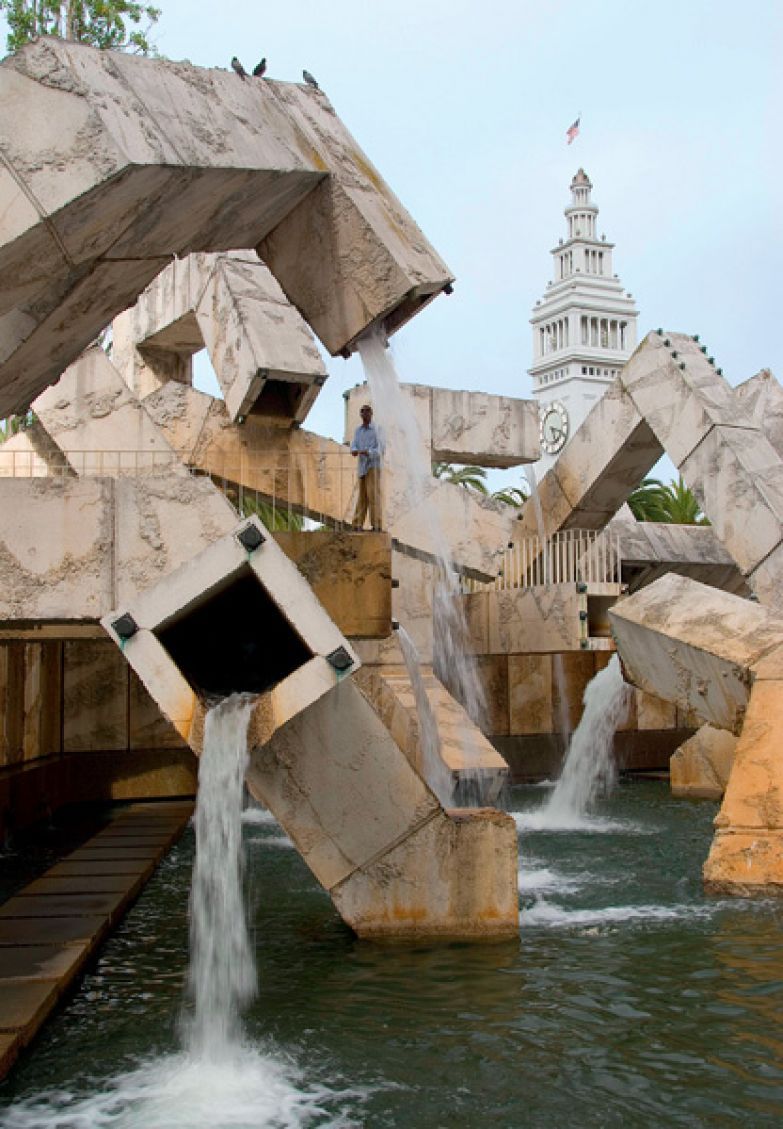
{"type": "Point", "coordinates": [112, 163]}
{"type": "Point", "coordinates": [317, 477]}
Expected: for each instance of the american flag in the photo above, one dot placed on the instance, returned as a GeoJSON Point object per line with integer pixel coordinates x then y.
{"type": "Point", "coordinates": [573, 130]}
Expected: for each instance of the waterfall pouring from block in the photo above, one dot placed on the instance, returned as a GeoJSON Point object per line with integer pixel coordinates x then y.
{"type": "Point", "coordinates": [405, 448]}
{"type": "Point", "coordinates": [222, 974]}
{"type": "Point", "coordinates": [589, 770]}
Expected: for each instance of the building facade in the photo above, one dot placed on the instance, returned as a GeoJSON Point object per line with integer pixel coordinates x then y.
{"type": "Point", "coordinates": [584, 327]}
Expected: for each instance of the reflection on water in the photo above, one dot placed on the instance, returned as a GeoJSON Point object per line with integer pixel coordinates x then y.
{"type": "Point", "coordinates": [630, 999]}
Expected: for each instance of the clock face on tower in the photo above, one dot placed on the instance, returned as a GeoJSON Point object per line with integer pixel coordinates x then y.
{"type": "Point", "coordinates": [554, 427]}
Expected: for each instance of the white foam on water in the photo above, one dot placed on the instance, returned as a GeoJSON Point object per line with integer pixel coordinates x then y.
{"type": "Point", "coordinates": [251, 1091]}
{"type": "Point", "coordinates": [270, 841]}
{"type": "Point", "coordinates": [547, 913]}
{"type": "Point", "coordinates": [259, 816]}
{"type": "Point", "coordinates": [540, 819]}
{"type": "Point", "coordinates": [534, 880]}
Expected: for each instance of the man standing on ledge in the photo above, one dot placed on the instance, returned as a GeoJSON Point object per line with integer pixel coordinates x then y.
{"type": "Point", "coordinates": [367, 447]}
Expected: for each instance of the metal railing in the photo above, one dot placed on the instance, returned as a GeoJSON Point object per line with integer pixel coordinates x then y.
{"type": "Point", "coordinates": [292, 491]}
{"type": "Point", "coordinates": [574, 556]}
{"type": "Point", "coordinates": [30, 463]}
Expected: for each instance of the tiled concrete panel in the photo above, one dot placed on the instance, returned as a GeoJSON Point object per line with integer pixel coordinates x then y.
{"type": "Point", "coordinates": [530, 694]}
{"type": "Point", "coordinates": [95, 698]}
{"type": "Point", "coordinates": [11, 702]}
{"type": "Point", "coordinates": [41, 734]}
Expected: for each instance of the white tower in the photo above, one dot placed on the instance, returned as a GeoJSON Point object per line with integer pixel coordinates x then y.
{"type": "Point", "coordinates": [584, 328]}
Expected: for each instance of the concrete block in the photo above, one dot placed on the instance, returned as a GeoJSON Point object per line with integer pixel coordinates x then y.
{"type": "Point", "coordinates": [406, 894]}
{"type": "Point", "coordinates": [200, 626]}
{"type": "Point", "coordinates": [577, 669]}
{"type": "Point", "coordinates": [605, 459]}
{"type": "Point", "coordinates": [328, 763]}
{"type": "Point", "coordinates": [680, 404]}
{"type": "Point", "coordinates": [531, 696]}
{"type": "Point", "coordinates": [738, 478]}
{"type": "Point", "coordinates": [493, 672]}
{"type": "Point", "coordinates": [140, 159]}
{"type": "Point", "coordinates": [654, 713]}
{"type": "Point", "coordinates": [67, 574]}
{"type": "Point", "coordinates": [693, 645]}
{"type": "Point", "coordinates": [100, 426]}
{"type": "Point", "coordinates": [349, 573]}
{"type": "Point", "coordinates": [11, 702]}
{"type": "Point", "coordinates": [484, 430]}
{"type": "Point", "coordinates": [527, 620]}
{"type": "Point", "coordinates": [700, 768]}
{"type": "Point", "coordinates": [147, 727]}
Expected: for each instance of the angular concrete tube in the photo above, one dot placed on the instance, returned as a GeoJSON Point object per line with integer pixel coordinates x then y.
{"type": "Point", "coordinates": [112, 164]}
{"type": "Point", "coordinates": [240, 617]}
{"type": "Point", "coordinates": [396, 864]}
{"type": "Point", "coordinates": [237, 617]}
{"type": "Point", "coordinates": [264, 355]}
{"type": "Point", "coordinates": [722, 656]}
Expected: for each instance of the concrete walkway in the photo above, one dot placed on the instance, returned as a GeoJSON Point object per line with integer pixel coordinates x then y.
{"type": "Point", "coordinates": [50, 930]}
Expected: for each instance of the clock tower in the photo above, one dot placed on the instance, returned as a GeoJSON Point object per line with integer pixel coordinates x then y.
{"type": "Point", "coordinates": [584, 327]}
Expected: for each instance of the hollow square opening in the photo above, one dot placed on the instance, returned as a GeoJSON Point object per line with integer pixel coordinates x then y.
{"type": "Point", "coordinates": [234, 640]}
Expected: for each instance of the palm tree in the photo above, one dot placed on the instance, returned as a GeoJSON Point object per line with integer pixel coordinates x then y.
{"type": "Point", "coordinates": [511, 496]}
{"type": "Point", "coordinates": [674, 504]}
{"type": "Point", "coordinates": [471, 477]}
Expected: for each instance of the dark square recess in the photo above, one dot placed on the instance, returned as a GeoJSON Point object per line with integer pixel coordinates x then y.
{"type": "Point", "coordinates": [234, 641]}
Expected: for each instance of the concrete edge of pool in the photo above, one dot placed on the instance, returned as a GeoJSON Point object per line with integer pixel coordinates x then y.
{"type": "Point", "coordinates": [51, 928]}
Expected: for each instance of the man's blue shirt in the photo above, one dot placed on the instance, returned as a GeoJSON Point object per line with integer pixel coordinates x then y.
{"type": "Point", "coordinates": [367, 439]}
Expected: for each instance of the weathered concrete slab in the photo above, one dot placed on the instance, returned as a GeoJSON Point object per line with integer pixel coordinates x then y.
{"type": "Point", "coordinates": [472, 899]}
{"type": "Point", "coordinates": [84, 884]}
{"type": "Point", "coordinates": [470, 759]}
{"type": "Point", "coordinates": [700, 768]}
{"type": "Point", "coordinates": [58, 930]}
{"type": "Point", "coordinates": [41, 962]}
{"type": "Point", "coordinates": [262, 351]}
{"type": "Point", "coordinates": [464, 426]}
{"type": "Point", "coordinates": [107, 540]}
{"type": "Point", "coordinates": [649, 550]}
{"type": "Point", "coordinates": [349, 573]}
{"type": "Point", "coordinates": [724, 657]}
{"type": "Point", "coordinates": [64, 905]}
{"type": "Point", "coordinates": [762, 398]}
{"type": "Point", "coordinates": [131, 160]}
{"type": "Point", "coordinates": [694, 645]}
{"type": "Point", "coordinates": [605, 459]}
{"type": "Point", "coordinates": [401, 870]}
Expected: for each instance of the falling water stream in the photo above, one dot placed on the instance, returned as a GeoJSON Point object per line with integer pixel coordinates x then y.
{"type": "Point", "coordinates": [219, 1079]}
{"type": "Point", "coordinates": [589, 769]}
{"type": "Point", "coordinates": [435, 771]}
{"type": "Point", "coordinates": [405, 449]}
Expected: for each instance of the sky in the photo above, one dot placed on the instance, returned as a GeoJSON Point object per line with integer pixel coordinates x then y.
{"type": "Point", "coordinates": [463, 108]}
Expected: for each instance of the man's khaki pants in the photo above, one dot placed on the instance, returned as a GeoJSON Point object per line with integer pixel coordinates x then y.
{"type": "Point", "coordinates": [369, 498]}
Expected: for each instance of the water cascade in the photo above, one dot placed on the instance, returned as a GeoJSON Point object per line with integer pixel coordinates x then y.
{"type": "Point", "coordinates": [589, 770]}
{"type": "Point", "coordinates": [405, 450]}
{"type": "Point", "coordinates": [436, 773]}
{"type": "Point", "coordinates": [222, 975]}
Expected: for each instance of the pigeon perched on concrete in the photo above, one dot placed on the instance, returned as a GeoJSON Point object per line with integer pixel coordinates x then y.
{"type": "Point", "coordinates": [310, 80]}
{"type": "Point", "coordinates": [260, 70]}
{"type": "Point", "coordinates": [237, 66]}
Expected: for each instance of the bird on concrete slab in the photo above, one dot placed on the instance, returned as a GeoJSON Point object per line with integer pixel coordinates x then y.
{"type": "Point", "coordinates": [310, 80]}
{"type": "Point", "coordinates": [260, 70]}
{"type": "Point", "coordinates": [237, 66]}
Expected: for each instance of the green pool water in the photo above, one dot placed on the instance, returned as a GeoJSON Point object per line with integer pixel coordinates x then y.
{"type": "Point", "coordinates": [630, 999]}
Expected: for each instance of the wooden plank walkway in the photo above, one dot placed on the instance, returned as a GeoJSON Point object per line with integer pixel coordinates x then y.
{"type": "Point", "coordinates": [51, 929]}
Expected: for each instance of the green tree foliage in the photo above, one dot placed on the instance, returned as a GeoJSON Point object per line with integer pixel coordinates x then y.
{"type": "Point", "coordinates": [511, 496]}
{"type": "Point", "coordinates": [15, 424]}
{"type": "Point", "coordinates": [674, 504]}
{"type": "Point", "coordinates": [109, 24]}
{"type": "Point", "coordinates": [471, 477]}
